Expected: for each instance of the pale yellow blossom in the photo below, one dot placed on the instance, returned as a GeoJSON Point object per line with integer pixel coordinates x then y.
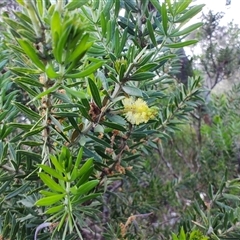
{"type": "Point", "coordinates": [137, 111]}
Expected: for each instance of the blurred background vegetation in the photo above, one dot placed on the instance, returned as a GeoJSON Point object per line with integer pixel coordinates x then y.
{"type": "Point", "coordinates": [188, 186]}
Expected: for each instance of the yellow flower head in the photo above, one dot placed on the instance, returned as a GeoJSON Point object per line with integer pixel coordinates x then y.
{"type": "Point", "coordinates": [137, 112]}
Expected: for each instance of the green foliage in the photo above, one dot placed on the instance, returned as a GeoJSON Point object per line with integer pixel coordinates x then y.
{"type": "Point", "coordinates": [71, 190]}
{"type": "Point", "coordinates": [194, 235]}
{"type": "Point", "coordinates": [217, 214]}
{"type": "Point", "coordinates": [202, 198]}
{"type": "Point", "coordinates": [77, 63]}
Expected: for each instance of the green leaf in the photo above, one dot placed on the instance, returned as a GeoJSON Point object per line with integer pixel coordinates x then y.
{"type": "Point", "coordinates": [31, 143]}
{"type": "Point", "coordinates": [4, 186]}
{"type": "Point", "coordinates": [85, 167]}
{"type": "Point", "coordinates": [117, 9]}
{"type": "Point", "coordinates": [85, 177]}
{"type": "Point", "coordinates": [47, 193]}
{"type": "Point", "coordinates": [86, 72]}
{"type": "Point", "coordinates": [164, 58]}
{"type": "Point", "coordinates": [182, 6]}
{"type": "Point", "coordinates": [132, 91]}
{"type": "Point", "coordinates": [103, 24]}
{"type": "Point", "coordinates": [3, 63]}
{"type": "Point", "coordinates": [181, 44]}
{"type": "Point", "coordinates": [84, 112]}
{"type": "Point", "coordinates": [26, 71]}
{"type": "Point", "coordinates": [7, 177]}
{"type": "Point", "coordinates": [97, 50]}
{"type": "Point", "coordinates": [79, 158]}
{"type": "Point", "coordinates": [46, 92]}
{"type": "Point", "coordinates": [3, 115]}
{"type": "Point", "coordinates": [47, 201]}
{"type": "Point", "coordinates": [114, 126]}
{"type": "Point", "coordinates": [15, 228]}
{"type": "Point", "coordinates": [51, 171]}
{"type": "Point", "coordinates": [18, 191]}
{"type": "Point", "coordinates": [116, 42]}
{"type": "Point", "coordinates": [78, 94]}
{"type": "Point", "coordinates": [182, 235]}
{"type": "Point", "coordinates": [85, 188]}
{"type": "Point", "coordinates": [124, 38]}
{"type": "Point", "coordinates": [231, 197]}
{"type": "Point", "coordinates": [142, 76]}
{"type": "Point", "coordinates": [32, 155]}
{"type": "Point", "coordinates": [31, 53]}
{"type": "Point", "coordinates": [124, 23]}
{"type": "Point", "coordinates": [78, 33]}
{"type": "Point", "coordinates": [50, 71]}
{"type": "Point", "coordinates": [164, 18]}
{"type": "Point", "coordinates": [55, 209]}
{"type": "Point", "coordinates": [56, 27]}
{"type": "Point", "coordinates": [32, 132]}
{"type": "Point", "coordinates": [27, 89]}
{"type": "Point", "coordinates": [190, 13]}
{"type": "Point", "coordinates": [59, 53]}
{"type": "Point", "coordinates": [186, 30]}
{"type": "Point", "coordinates": [20, 2]}
{"type": "Point", "coordinates": [66, 114]}
{"type": "Point", "coordinates": [151, 33]}
{"type": "Point", "coordinates": [76, 4]}
{"type": "Point", "coordinates": [147, 67]}
{"type": "Point", "coordinates": [80, 49]}
{"type": "Point", "coordinates": [174, 237]}
{"type": "Point", "coordinates": [21, 126]}
{"type": "Point", "coordinates": [24, 19]}
{"type": "Point", "coordinates": [56, 163]}
{"type": "Point", "coordinates": [28, 112]}
{"type": "Point", "coordinates": [81, 200]}
{"type": "Point", "coordinates": [26, 34]}
{"type": "Point", "coordinates": [28, 80]}
{"type": "Point", "coordinates": [95, 93]}
{"type": "Point", "coordinates": [49, 182]}
{"type": "Point", "coordinates": [100, 141]}
{"type": "Point", "coordinates": [40, 8]}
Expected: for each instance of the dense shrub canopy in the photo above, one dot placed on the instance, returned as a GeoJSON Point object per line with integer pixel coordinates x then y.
{"type": "Point", "coordinates": [91, 107]}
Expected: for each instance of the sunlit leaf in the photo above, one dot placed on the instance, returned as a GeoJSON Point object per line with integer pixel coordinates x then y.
{"type": "Point", "coordinates": [80, 49]}
{"type": "Point", "coordinates": [78, 94]}
{"type": "Point", "coordinates": [55, 209]}
{"type": "Point", "coordinates": [50, 183]}
{"type": "Point", "coordinates": [186, 30]}
{"type": "Point", "coordinates": [51, 171]}
{"type": "Point", "coordinates": [190, 13]}
{"type": "Point", "coordinates": [86, 72]}
{"type": "Point", "coordinates": [75, 4]}
{"type": "Point", "coordinates": [85, 167]}
{"type": "Point", "coordinates": [182, 6]}
{"type": "Point", "coordinates": [47, 201]}
{"type": "Point", "coordinates": [31, 53]}
{"type": "Point", "coordinates": [85, 188]}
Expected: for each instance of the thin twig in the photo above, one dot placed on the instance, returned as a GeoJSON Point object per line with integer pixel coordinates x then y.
{"type": "Point", "coordinates": [168, 165]}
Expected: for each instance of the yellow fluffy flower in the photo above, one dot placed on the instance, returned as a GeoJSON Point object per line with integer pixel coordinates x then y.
{"type": "Point", "coordinates": [137, 112]}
